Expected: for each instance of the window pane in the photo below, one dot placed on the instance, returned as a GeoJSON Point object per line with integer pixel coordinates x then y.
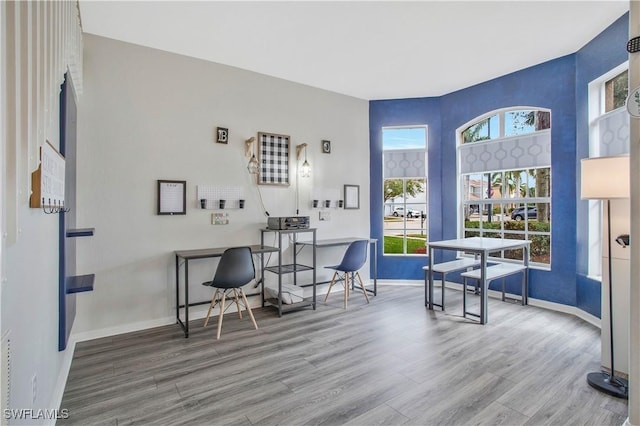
{"type": "Point", "coordinates": [541, 248]}
{"type": "Point", "coordinates": [494, 202]}
{"type": "Point", "coordinates": [405, 219]}
{"type": "Point", "coordinates": [616, 91]}
{"type": "Point", "coordinates": [485, 129]}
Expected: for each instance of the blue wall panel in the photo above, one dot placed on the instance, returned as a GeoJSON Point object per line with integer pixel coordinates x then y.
{"type": "Point", "coordinates": [603, 53]}
{"type": "Point", "coordinates": [404, 112]}
{"type": "Point", "coordinates": [559, 85]}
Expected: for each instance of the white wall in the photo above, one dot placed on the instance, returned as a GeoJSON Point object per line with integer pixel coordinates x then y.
{"type": "Point", "coordinates": [147, 115]}
{"type": "Point", "coordinates": [45, 40]}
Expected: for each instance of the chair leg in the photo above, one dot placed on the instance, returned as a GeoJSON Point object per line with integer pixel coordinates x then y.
{"type": "Point", "coordinates": [235, 294]}
{"type": "Point", "coordinates": [224, 296]}
{"type": "Point", "coordinates": [211, 306]}
{"type": "Point", "coordinates": [246, 305]}
{"type": "Point", "coordinates": [333, 281]}
{"type": "Point", "coordinates": [364, 291]}
{"type": "Point", "coordinates": [346, 289]}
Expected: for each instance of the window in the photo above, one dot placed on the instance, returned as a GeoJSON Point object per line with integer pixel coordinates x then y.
{"type": "Point", "coordinates": [616, 90]}
{"type": "Point", "coordinates": [505, 180]}
{"type": "Point", "coordinates": [405, 224]}
{"type": "Point", "coordinates": [608, 136]}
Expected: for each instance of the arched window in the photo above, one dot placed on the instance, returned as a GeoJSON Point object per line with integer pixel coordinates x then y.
{"type": "Point", "coordinates": [504, 166]}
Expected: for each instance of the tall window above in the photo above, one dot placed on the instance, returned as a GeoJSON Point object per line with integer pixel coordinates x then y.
{"type": "Point", "coordinates": [616, 90]}
{"type": "Point", "coordinates": [405, 225]}
{"type": "Point", "coordinates": [608, 136]}
{"type": "Point", "coordinates": [505, 180]}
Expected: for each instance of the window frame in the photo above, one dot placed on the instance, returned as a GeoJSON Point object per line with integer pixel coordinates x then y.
{"type": "Point", "coordinates": [462, 203]}
{"type": "Point", "coordinates": [424, 225]}
{"type": "Point", "coordinates": [597, 110]}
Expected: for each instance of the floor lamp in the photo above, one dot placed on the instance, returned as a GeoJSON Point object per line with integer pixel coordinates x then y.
{"type": "Point", "coordinates": [606, 178]}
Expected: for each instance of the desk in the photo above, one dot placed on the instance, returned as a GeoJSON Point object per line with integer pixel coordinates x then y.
{"type": "Point", "coordinates": [481, 246]}
{"type": "Point", "coordinates": [333, 242]}
{"type": "Point", "coordinates": [188, 255]}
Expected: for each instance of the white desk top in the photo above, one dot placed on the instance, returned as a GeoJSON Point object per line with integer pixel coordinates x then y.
{"type": "Point", "coordinates": [335, 241]}
{"type": "Point", "coordinates": [479, 244]}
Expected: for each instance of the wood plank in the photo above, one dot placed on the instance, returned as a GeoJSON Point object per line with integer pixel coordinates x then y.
{"type": "Point", "coordinates": [388, 362]}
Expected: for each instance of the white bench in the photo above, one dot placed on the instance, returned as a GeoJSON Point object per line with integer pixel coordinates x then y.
{"type": "Point", "coordinates": [493, 272]}
{"type": "Point", "coordinates": [444, 268]}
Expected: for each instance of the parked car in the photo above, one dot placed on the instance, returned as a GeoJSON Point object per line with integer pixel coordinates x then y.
{"type": "Point", "coordinates": [399, 211]}
{"type": "Point", "coordinates": [518, 214]}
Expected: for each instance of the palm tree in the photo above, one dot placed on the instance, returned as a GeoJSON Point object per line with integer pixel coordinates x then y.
{"type": "Point", "coordinates": [541, 120]}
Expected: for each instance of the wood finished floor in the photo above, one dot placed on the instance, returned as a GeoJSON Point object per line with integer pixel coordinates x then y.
{"type": "Point", "coordinates": [392, 362]}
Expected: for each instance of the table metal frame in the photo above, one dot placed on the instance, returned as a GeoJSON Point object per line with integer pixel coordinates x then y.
{"type": "Point", "coordinates": [334, 242]}
{"type": "Point", "coordinates": [481, 246]}
{"type": "Point", "coordinates": [187, 255]}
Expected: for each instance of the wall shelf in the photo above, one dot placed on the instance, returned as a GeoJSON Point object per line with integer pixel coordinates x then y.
{"type": "Point", "coordinates": [80, 232]}
{"type": "Point", "coordinates": [79, 283]}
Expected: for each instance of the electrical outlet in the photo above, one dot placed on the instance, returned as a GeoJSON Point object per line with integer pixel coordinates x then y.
{"type": "Point", "coordinates": [34, 388]}
{"type": "Point", "coordinates": [325, 215]}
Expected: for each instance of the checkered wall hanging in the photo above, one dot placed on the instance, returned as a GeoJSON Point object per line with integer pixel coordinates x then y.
{"type": "Point", "coordinates": [274, 159]}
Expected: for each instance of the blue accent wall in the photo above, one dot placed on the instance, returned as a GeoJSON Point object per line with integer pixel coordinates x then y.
{"type": "Point", "coordinates": [603, 53]}
{"type": "Point", "coordinates": [559, 85]}
{"type": "Point", "coordinates": [404, 112]}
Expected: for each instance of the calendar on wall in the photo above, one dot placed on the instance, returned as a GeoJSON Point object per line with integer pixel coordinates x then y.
{"type": "Point", "coordinates": [172, 197]}
{"type": "Point", "coordinates": [47, 182]}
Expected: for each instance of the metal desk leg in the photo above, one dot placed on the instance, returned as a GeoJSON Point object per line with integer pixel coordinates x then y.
{"type": "Point", "coordinates": [177, 290]}
{"type": "Point", "coordinates": [429, 291]}
{"type": "Point", "coordinates": [485, 288]}
{"type": "Point", "coordinates": [280, 274]}
{"type": "Point", "coordinates": [375, 268]}
{"type": "Point", "coordinates": [314, 269]}
{"type": "Point", "coordinates": [525, 292]}
{"type": "Point", "coordinates": [186, 298]}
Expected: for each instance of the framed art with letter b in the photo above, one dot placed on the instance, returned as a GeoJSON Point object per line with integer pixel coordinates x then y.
{"type": "Point", "coordinates": [273, 156]}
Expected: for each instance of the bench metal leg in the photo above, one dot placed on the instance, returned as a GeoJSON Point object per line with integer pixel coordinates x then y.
{"type": "Point", "coordinates": [464, 297]}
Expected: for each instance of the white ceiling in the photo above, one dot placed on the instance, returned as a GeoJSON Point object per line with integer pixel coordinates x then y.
{"type": "Point", "coordinates": [370, 50]}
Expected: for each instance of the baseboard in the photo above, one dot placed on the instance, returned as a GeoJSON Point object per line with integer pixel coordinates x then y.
{"type": "Point", "coordinates": [544, 304]}
{"type": "Point", "coordinates": [413, 283]}
{"type": "Point", "coordinates": [121, 329]}
{"type": "Point", "coordinates": [61, 382]}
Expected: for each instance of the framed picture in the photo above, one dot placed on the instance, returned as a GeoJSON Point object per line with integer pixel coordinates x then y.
{"type": "Point", "coordinates": [352, 196]}
{"type": "Point", "coordinates": [172, 197]}
{"type": "Point", "coordinates": [326, 147]}
{"type": "Point", "coordinates": [222, 135]}
{"type": "Point", "coordinates": [273, 156]}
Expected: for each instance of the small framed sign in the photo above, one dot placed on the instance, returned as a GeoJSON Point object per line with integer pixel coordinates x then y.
{"type": "Point", "coordinates": [172, 197]}
{"type": "Point", "coordinates": [222, 135]}
{"type": "Point", "coordinates": [352, 197]}
{"type": "Point", "coordinates": [326, 147]}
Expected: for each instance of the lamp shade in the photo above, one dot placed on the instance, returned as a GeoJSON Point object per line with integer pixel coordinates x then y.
{"type": "Point", "coordinates": [604, 178]}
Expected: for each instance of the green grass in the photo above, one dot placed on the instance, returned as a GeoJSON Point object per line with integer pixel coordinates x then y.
{"type": "Point", "coordinates": [393, 245]}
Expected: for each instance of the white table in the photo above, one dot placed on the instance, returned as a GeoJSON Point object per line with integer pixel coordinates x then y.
{"type": "Point", "coordinates": [481, 246]}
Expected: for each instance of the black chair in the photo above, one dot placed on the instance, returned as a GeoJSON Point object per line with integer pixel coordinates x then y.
{"type": "Point", "coordinates": [353, 259]}
{"type": "Point", "coordinates": [235, 269]}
